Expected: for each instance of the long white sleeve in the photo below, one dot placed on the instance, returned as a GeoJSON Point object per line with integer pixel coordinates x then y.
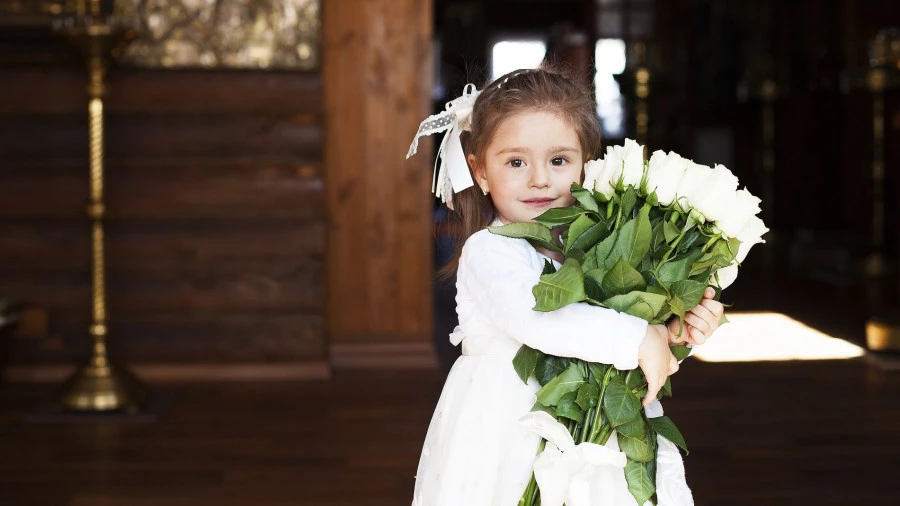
{"type": "Point", "coordinates": [494, 282]}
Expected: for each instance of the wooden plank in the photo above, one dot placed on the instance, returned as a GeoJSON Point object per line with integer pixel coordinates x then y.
{"type": "Point", "coordinates": [165, 191]}
{"type": "Point", "coordinates": [261, 285]}
{"type": "Point", "coordinates": [186, 246]}
{"type": "Point", "coordinates": [147, 135]}
{"type": "Point", "coordinates": [191, 373]}
{"type": "Point", "coordinates": [342, 443]}
{"type": "Point", "coordinates": [60, 90]}
{"type": "Point", "coordinates": [182, 337]}
{"type": "Point", "coordinates": [377, 201]}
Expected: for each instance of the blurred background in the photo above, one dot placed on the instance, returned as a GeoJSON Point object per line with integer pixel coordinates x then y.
{"type": "Point", "coordinates": [217, 268]}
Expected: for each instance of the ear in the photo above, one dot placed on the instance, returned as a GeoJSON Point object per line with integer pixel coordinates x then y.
{"type": "Point", "coordinates": [479, 172]}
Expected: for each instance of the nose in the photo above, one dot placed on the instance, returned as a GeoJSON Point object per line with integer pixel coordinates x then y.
{"type": "Point", "coordinates": [540, 177]}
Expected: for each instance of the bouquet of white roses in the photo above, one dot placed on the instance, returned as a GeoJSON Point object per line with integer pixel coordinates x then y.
{"type": "Point", "coordinates": [644, 238]}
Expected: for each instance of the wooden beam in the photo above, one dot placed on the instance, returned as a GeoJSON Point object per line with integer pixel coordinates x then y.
{"type": "Point", "coordinates": [376, 79]}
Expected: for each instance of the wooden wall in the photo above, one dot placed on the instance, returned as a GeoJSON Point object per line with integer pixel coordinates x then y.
{"type": "Point", "coordinates": [377, 70]}
{"type": "Point", "coordinates": [216, 215]}
{"type": "Point", "coordinates": [254, 217]}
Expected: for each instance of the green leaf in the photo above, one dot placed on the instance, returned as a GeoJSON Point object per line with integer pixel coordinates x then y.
{"type": "Point", "coordinates": [640, 449]}
{"type": "Point", "coordinates": [559, 216]}
{"type": "Point", "coordinates": [633, 241]}
{"type": "Point", "coordinates": [585, 198]}
{"type": "Point", "coordinates": [679, 268]}
{"type": "Point", "coordinates": [629, 199]}
{"type": "Point", "coordinates": [619, 404]}
{"type": "Point", "coordinates": [548, 267]}
{"type": "Point", "coordinates": [621, 279]}
{"type": "Point", "coordinates": [598, 371]}
{"type": "Point", "coordinates": [592, 284]}
{"type": "Point", "coordinates": [578, 227]}
{"type": "Point", "coordinates": [636, 428]}
{"type": "Point", "coordinates": [659, 290]}
{"type": "Point", "coordinates": [588, 395]}
{"type": "Point", "coordinates": [590, 237]}
{"type": "Point", "coordinates": [590, 260]}
{"type": "Point", "coordinates": [657, 237]}
{"type": "Point", "coordinates": [641, 478]}
{"type": "Point", "coordinates": [671, 231]}
{"type": "Point", "coordinates": [720, 255]}
{"type": "Point", "coordinates": [604, 249]}
{"type": "Point", "coordinates": [525, 361]}
{"type": "Point", "coordinates": [666, 390]}
{"type": "Point", "coordinates": [561, 288]}
{"type": "Point", "coordinates": [677, 306]}
{"type": "Point", "coordinates": [634, 378]}
{"type": "Point", "coordinates": [690, 292]}
{"type": "Point", "coordinates": [680, 352]}
{"type": "Point", "coordinates": [667, 429]}
{"type": "Point", "coordinates": [549, 367]}
{"type": "Point", "coordinates": [644, 305]}
{"type": "Point", "coordinates": [540, 407]}
{"type": "Point", "coordinates": [653, 199]}
{"type": "Point", "coordinates": [577, 255]}
{"type": "Point", "coordinates": [567, 408]}
{"type": "Point", "coordinates": [568, 381]}
{"type": "Point", "coordinates": [538, 235]}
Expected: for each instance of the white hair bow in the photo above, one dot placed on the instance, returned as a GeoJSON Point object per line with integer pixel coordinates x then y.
{"type": "Point", "coordinates": [452, 172]}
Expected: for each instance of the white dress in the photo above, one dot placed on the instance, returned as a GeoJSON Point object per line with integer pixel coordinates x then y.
{"type": "Point", "coordinates": [476, 453]}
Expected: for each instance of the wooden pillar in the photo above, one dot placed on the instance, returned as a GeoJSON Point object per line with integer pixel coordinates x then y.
{"type": "Point", "coordinates": [377, 68]}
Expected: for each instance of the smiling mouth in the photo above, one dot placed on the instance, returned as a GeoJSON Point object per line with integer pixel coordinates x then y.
{"type": "Point", "coordinates": [539, 202]}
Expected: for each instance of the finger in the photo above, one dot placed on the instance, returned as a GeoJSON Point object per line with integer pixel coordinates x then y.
{"type": "Point", "coordinates": [673, 365]}
{"type": "Point", "coordinates": [713, 306]}
{"type": "Point", "coordinates": [697, 337]}
{"type": "Point", "coordinates": [698, 323]}
{"type": "Point", "coordinates": [705, 314]}
{"type": "Point", "coordinates": [653, 389]}
{"type": "Point", "coordinates": [675, 327]}
{"type": "Point", "coordinates": [709, 293]}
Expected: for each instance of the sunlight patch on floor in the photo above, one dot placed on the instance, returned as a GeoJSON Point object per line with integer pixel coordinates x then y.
{"type": "Point", "coordinates": [752, 337]}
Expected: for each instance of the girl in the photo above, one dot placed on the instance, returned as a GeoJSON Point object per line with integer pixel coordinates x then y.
{"type": "Point", "coordinates": [526, 137]}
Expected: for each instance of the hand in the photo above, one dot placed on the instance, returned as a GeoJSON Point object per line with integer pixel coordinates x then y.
{"type": "Point", "coordinates": [700, 322]}
{"type": "Point", "coordinates": [656, 360]}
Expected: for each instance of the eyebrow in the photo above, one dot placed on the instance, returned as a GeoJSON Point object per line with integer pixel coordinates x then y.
{"type": "Point", "coordinates": [555, 149]}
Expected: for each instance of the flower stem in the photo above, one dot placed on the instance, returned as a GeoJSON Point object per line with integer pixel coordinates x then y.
{"type": "Point", "coordinates": [674, 245]}
{"type": "Point", "coordinates": [597, 422]}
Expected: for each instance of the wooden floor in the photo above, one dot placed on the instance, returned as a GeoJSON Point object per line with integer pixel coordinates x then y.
{"type": "Point", "coordinates": [788, 433]}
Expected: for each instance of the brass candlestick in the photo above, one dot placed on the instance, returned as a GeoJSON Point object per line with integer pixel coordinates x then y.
{"type": "Point", "coordinates": [98, 386]}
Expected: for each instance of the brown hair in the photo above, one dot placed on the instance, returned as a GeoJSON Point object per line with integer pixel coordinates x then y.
{"type": "Point", "coordinates": [543, 89]}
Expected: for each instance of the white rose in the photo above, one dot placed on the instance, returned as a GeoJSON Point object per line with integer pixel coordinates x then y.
{"type": "Point", "coordinates": [737, 216]}
{"type": "Point", "coordinates": [717, 195]}
{"type": "Point", "coordinates": [725, 275]}
{"type": "Point", "coordinates": [632, 164]}
{"type": "Point", "coordinates": [664, 175]}
{"type": "Point", "coordinates": [613, 163]}
{"type": "Point", "coordinates": [625, 163]}
{"type": "Point", "coordinates": [598, 177]}
{"type": "Point", "coordinates": [750, 236]}
{"type": "Point", "coordinates": [691, 182]}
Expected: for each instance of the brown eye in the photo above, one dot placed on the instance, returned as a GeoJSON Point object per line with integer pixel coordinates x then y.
{"type": "Point", "coordinates": [516, 163]}
{"type": "Point", "coordinates": [557, 161]}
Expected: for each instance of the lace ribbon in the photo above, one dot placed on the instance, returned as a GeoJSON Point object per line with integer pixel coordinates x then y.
{"type": "Point", "coordinates": [451, 170]}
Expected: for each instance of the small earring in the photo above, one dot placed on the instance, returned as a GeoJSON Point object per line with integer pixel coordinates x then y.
{"type": "Point", "coordinates": [483, 190]}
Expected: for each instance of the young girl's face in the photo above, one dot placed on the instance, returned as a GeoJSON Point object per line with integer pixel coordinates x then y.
{"type": "Point", "coordinates": [530, 165]}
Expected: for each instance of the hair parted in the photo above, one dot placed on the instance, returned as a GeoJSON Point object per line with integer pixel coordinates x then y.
{"type": "Point", "coordinates": [543, 89]}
